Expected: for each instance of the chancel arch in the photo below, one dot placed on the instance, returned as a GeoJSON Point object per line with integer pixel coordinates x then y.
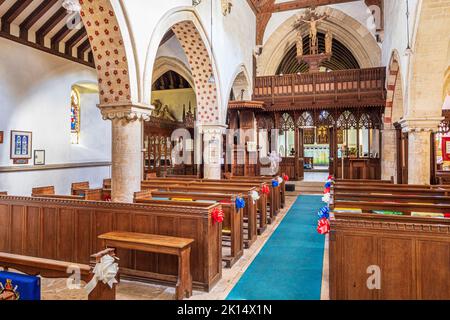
{"type": "Point", "coordinates": [362, 44]}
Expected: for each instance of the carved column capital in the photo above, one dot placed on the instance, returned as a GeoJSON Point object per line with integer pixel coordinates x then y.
{"type": "Point", "coordinates": [425, 124]}
{"type": "Point", "coordinates": [128, 112]}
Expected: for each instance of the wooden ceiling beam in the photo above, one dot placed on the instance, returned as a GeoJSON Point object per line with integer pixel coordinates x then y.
{"type": "Point", "coordinates": [85, 46]}
{"type": "Point", "coordinates": [17, 8]}
{"type": "Point", "coordinates": [301, 4]}
{"type": "Point", "coordinates": [74, 40]}
{"type": "Point", "coordinates": [34, 17]}
{"type": "Point", "coordinates": [56, 18]}
{"type": "Point", "coordinates": [59, 36]}
{"type": "Point", "coordinates": [44, 49]}
{"type": "Point", "coordinates": [253, 6]}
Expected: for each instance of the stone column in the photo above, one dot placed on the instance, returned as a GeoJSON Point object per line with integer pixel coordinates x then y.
{"type": "Point", "coordinates": [126, 171]}
{"type": "Point", "coordinates": [419, 147]}
{"type": "Point", "coordinates": [212, 151]}
{"type": "Point", "coordinates": [389, 153]}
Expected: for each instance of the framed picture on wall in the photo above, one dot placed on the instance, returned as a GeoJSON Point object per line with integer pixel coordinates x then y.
{"type": "Point", "coordinates": [21, 145]}
{"type": "Point", "coordinates": [39, 157]}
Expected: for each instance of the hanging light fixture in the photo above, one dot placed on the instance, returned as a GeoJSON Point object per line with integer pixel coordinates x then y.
{"type": "Point", "coordinates": [71, 6]}
{"type": "Point", "coordinates": [408, 50]}
{"type": "Point", "coordinates": [211, 79]}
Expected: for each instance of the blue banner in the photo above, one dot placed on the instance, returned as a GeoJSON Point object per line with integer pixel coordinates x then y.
{"type": "Point", "coordinates": [15, 286]}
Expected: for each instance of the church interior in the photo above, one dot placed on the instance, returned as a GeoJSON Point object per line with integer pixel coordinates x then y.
{"type": "Point", "coordinates": [224, 150]}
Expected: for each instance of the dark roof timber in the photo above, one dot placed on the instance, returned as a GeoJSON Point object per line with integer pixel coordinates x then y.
{"type": "Point", "coordinates": [51, 26]}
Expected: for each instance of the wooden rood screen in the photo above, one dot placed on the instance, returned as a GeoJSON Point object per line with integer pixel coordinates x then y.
{"type": "Point", "coordinates": [67, 230]}
{"type": "Point", "coordinates": [361, 86]}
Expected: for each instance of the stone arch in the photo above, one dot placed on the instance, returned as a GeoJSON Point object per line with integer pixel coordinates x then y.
{"type": "Point", "coordinates": [112, 49]}
{"type": "Point", "coordinates": [241, 81]}
{"type": "Point", "coordinates": [394, 94]}
{"type": "Point", "coordinates": [347, 30]}
{"type": "Point", "coordinates": [189, 31]}
{"type": "Point", "coordinates": [164, 64]}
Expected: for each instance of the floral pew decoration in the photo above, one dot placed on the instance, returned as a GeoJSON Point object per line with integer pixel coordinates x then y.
{"type": "Point", "coordinates": [323, 225]}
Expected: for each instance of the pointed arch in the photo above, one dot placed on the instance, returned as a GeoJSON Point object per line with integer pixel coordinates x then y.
{"type": "Point", "coordinates": [189, 31]}
{"type": "Point", "coordinates": [106, 26]}
{"type": "Point", "coordinates": [351, 33]}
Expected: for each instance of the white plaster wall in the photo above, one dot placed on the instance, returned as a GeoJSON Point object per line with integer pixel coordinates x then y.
{"type": "Point", "coordinates": [35, 96]}
{"type": "Point", "coordinates": [395, 36]}
{"type": "Point", "coordinates": [173, 49]}
{"type": "Point", "coordinates": [21, 183]}
{"type": "Point", "coordinates": [233, 36]}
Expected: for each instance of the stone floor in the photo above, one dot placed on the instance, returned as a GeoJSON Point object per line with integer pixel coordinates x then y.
{"type": "Point", "coordinates": [315, 176]}
{"type": "Point", "coordinates": [130, 290]}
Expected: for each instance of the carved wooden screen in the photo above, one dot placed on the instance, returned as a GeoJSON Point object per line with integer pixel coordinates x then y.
{"type": "Point", "coordinates": [308, 136]}
{"type": "Point", "coordinates": [347, 120]}
{"type": "Point", "coordinates": [305, 120]}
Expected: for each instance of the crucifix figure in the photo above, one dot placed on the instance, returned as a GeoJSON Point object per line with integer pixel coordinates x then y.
{"type": "Point", "coordinates": [313, 21]}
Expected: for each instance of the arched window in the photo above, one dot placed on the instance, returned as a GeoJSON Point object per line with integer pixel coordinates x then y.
{"type": "Point", "coordinates": [75, 116]}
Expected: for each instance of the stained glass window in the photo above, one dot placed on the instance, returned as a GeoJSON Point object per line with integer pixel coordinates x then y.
{"type": "Point", "coordinates": [75, 116]}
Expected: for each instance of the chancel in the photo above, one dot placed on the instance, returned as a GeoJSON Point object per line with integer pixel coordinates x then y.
{"type": "Point", "coordinates": [224, 150]}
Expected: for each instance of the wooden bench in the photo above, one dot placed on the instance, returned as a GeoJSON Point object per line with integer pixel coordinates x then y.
{"type": "Point", "coordinates": [180, 247]}
{"type": "Point", "coordinates": [106, 184]}
{"type": "Point", "coordinates": [50, 268]}
{"type": "Point", "coordinates": [395, 232]}
{"type": "Point", "coordinates": [277, 197]}
{"type": "Point", "coordinates": [67, 230]}
{"type": "Point", "coordinates": [82, 189]}
{"type": "Point", "coordinates": [232, 225]}
{"type": "Point", "coordinates": [261, 204]}
{"type": "Point", "coordinates": [49, 192]}
{"type": "Point", "coordinates": [250, 209]}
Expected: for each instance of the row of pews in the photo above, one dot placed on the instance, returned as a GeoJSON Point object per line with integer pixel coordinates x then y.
{"type": "Point", "coordinates": [389, 241]}
{"type": "Point", "coordinates": [70, 227]}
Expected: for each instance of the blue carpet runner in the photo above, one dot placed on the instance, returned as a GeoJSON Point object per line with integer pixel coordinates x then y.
{"type": "Point", "coordinates": [289, 266]}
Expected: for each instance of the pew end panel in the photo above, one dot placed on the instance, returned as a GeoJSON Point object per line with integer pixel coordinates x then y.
{"type": "Point", "coordinates": [67, 230]}
{"type": "Point", "coordinates": [412, 254]}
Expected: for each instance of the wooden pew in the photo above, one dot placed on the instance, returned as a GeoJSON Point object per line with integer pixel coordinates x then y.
{"type": "Point", "coordinates": [82, 189]}
{"type": "Point", "coordinates": [249, 210]}
{"type": "Point", "coordinates": [49, 268]}
{"type": "Point", "coordinates": [277, 195]}
{"type": "Point", "coordinates": [179, 247]}
{"type": "Point", "coordinates": [67, 230]}
{"type": "Point", "coordinates": [412, 252]}
{"type": "Point", "coordinates": [78, 187]}
{"type": "Point", "coordinates": [232, 225]}
{"type": "Point", "coordinates": [390, 189]}
{"type": "Point", "coordinates": [261, 204]}
{"type": "Point", "coordinates": [106, 183]}
{"type": "Point", "coordinates": [49, 192]}
{"type": "Point", "coordinates": [362, 181]}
